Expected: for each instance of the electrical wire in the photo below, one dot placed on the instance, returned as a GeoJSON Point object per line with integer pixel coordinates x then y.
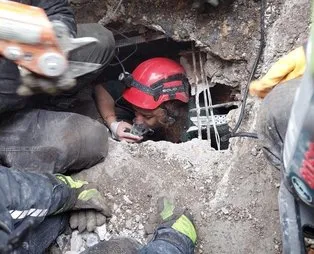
{"type": "Point", "coordinates": [233, 132]}
{"type": "Point", "coordinates": [131, 54]}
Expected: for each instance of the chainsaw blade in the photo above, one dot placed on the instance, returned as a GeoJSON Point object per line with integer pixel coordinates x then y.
{"type": "Point", "coordinates": [77, 69]}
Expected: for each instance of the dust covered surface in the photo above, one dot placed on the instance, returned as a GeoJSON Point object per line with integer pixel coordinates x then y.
{"type": "Point", "coordinates": [231, 194]}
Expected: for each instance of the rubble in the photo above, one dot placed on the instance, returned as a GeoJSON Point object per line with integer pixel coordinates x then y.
{"type": "Point", "coordinates": [232, 194]}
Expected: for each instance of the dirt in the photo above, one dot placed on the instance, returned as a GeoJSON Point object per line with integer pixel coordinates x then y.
{"type": "Point", "coordinates": [232, 194]}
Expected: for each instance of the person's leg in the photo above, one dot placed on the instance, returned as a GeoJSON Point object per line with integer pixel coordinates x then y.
{"type": "Point", "coordinates": [9, 82]}
{"type": "Point", "coordinates": [101, 52]}
{"type": "Point", "coordinates": [273, 120]}
{"type": "Point", "coordinates": [44, 235]}
{"type": "Point", "coordinates": [47, 141]}
{"type": "Point", "coordinates": [295, 217]}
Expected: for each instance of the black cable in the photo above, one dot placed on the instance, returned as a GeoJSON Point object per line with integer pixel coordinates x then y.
{"type": "Point", "coordinates": [246, 91]}
{"type": "Point", "coordinates": [131, 54]}
{"type": "Point", "coordinates": [240, 135]}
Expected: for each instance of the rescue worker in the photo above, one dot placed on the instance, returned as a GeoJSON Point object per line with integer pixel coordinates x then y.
{"type": "Point", "coordinates": [40, 132]}
{"type": "Point", "coordinates": [278, 88]}
{"type": "Point", "coordinates": [29, 200]}
{"type": "Point", "coordinates": [156, 94]}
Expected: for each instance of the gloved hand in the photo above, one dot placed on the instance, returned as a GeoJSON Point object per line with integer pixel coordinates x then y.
{"type": "Point", "coordinates": [92, 206]}
{"type": "Point", "coordinates": [32, 84]}
{"type": "Point", "coordinates": [121, 131]}
{"type": "Point", "coordinates": [168, 215]}
{"type": "Point", "coordinates": [286, 68]}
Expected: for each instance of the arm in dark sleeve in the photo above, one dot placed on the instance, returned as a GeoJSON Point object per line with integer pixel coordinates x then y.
{"type": "Point", "coordinates": [30, 195]}
{"type": "Point", "coordinates": [58, 10]}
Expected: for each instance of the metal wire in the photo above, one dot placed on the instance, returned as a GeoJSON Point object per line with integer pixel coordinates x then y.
{"type": "Point", "coordinates": [205, 98]}
{"type": "Point", "coordinates": [197, 102]}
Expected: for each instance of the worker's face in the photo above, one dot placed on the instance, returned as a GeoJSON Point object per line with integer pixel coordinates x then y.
{"type": "Point", "coordinates": [151, 118]}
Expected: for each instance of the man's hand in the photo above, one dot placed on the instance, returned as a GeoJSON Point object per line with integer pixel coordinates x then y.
{"type": "Point", "coordinates": [33, 84]}
{"type": "Point", "coordinates": [93, 207]}
{"type": "Point", "coordinates": [121, 131]}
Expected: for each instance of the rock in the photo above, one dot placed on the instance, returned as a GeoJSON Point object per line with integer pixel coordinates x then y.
{"type": "Point", "coordinates": [128, 224]}
{"type": "Point", "coordinates": [92, 239]}
{"type": "Point", "coordinates": [62, 241]}
{"type": "Point", "coordinates": [113, 219]}
{"type": "Point", "coordinates": [76, 241]}
{"type": "Point", "coordinates": [127, 200]}
{"type": "Point", "coordinates": [254, 151]}
{"type": "Point", "coordinates": [148, 229]}
{"type": "Point", "coordinates": [137, 218]}
{"type": "Point", "coordinates": [140, 226]}
{"type": "Point", "coordinates": [224, 210]}
{"type": "Point", "coordinates": [101, 232]}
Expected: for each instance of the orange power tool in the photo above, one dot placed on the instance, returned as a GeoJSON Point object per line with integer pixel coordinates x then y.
{"type": "Point", "coordinates": [28, 38]}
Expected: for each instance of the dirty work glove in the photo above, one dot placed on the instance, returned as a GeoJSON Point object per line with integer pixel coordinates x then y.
{"type": "Point", "coordinates": [168, 215]}
{"type": "Point", "coordinates": [286, 68]}
{"type": "Point", "coordinates": [33, 84]}
{"type": "Point", "coordinates": [121, 131]}
{"type": "Point", "coordinates": [90, 209]}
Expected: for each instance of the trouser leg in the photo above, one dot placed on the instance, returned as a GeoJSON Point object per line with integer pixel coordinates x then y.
{"type": "Point", "coordinates": [273, 120]}
{"type": "Point", "coordinates": [295, 216]}
{"type": "Point", "coordinates": [44, 235]}
{"type": "Point", "coordinates": [47, 141]}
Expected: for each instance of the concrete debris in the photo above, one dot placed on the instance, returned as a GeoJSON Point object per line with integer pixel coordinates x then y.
{"type": "Point", "coordinates": [76, 241]}
{"type": "Point", "coordinates": [231, 194]}
{"type": "Point", "coordinates": [101, 232]}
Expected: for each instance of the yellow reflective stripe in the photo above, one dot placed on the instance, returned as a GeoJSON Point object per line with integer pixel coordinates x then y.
{"type": "Point", "coordinates": [88, 194]}
{"type": "Point", "coordinates": [186, 227]}
{"type": "Point", "coordinates": [74, 184]}
{"type": "Point", "coordinates": [168, 209]}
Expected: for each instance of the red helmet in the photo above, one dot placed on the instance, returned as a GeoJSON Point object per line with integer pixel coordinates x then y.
{"type": "Point", "coordinates": [155, 81]}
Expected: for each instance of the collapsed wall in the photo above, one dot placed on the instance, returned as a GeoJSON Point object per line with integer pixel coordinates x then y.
{"type": "Point", "coordinates": [232, 194]}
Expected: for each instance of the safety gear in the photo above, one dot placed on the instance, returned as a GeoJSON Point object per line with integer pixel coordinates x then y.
{"type": "Point", "coordinates": [94, 207]}
{"type": "Point", "coordinates": [168, 215]}
{"type": "Point", "coordinates": [286, 68]}
{"type": "Point", "coordinates": [155, 81]}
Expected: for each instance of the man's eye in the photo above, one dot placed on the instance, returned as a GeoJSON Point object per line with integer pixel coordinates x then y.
{"type": "Point", "coordinates": [148, 117]}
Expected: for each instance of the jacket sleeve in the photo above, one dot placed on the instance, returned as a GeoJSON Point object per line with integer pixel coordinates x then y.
{"type": "Point", "coordinates": [30, 195]}
{"type": "Point", "coordinates": [58, 10]}
{"type": "Point", "coordinates": [288, 67]}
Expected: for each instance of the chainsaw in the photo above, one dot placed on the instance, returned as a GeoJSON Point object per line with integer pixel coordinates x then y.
{"type": "Point", "coordinates": [29, 39]}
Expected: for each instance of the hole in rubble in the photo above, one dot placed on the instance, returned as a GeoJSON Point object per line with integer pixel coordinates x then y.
{"type": "Point", "coordinates": [136, 44]}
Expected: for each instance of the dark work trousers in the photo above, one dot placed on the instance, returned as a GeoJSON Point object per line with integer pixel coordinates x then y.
{"type": "Point", "coordinates": [48, 137]}
{"type": "Point", "coordinates": [41, 133]}
{"type": "Point", "coordinates": [295, 216]}
{"type": "Point", "coordinates": [166, 240]}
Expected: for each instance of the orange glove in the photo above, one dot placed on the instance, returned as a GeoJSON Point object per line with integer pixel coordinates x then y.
{"type": "Point", "coordinates": [288, 67]}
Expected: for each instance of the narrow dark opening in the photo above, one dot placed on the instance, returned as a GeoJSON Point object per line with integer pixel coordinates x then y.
{"type": "Point", "coordinates": [137, 45]}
